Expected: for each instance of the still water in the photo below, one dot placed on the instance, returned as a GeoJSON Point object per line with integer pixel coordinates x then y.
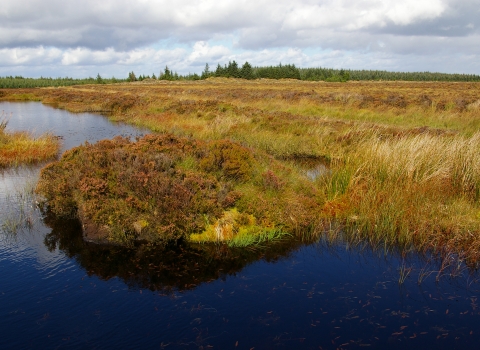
{"type": "Point", "coordinates": [57, 291]}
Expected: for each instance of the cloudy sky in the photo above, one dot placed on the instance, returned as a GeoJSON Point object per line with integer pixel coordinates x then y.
{"type": "Point", "coordinates": [113, 37]}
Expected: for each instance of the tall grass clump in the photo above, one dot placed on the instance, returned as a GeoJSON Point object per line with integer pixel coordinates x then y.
{"type": "Point", "coordinates": [418, 191]}
{"type": "Point", "coordinates": [22, 148]}
{"type": "Point", "coordinates": [3, 125]}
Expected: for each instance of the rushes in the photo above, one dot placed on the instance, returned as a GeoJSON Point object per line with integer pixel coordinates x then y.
{"type": "Point", "coordinates": [266, 236]}
{"type": "Point", "coordinates": [446, 165]}
{"type": "Point", "coordinates": [417, 191]}
{"type": "Point", "coordinates": [3, 124]}
{"type": "Point", "coordinates": [404, 272]}
{"type": "Point", "coordinates": [425, 159]}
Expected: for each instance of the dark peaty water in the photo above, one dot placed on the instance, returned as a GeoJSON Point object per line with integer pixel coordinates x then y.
{"type": "Point", "coordinates": [58, 291]}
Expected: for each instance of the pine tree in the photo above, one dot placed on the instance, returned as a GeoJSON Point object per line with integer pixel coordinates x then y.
{"type": "Point", "coordinates": [233, 71]}
{"type": "Point", "coordinates": [247, 71]}
{"type": "Point", "coordinates": [132, 76]}
{"type": "Point", "coordinates": [206, 72]}
{"type": "Point", "coordinates": [219, 72]}
{"type": "Point", "coordinates": [166, 75]}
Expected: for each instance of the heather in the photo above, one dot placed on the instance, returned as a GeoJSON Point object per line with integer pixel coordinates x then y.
{"type": "Point", "coordinates": [164, 188]}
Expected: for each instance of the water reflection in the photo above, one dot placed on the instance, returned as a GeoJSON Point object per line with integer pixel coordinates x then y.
{"type": "Point", "coordinates": [312, 167]}
{"type": "Point", "coordinates": [177, 267]}
{"type": "Point", "coordinates": [73, 129]}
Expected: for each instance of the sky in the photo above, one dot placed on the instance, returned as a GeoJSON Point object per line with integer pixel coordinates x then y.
{"type": "Point", "coordinates": [59, 38]}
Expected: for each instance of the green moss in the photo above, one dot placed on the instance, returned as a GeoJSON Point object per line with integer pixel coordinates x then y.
{"type": "Point", "coordinates": [238, 230]}
{"type": "Point", "coordinates": [229, 225]}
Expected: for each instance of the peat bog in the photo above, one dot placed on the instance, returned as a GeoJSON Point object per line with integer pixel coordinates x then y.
{"type": "Point", "coordinates": [402, 158]}
{"type": "Point", "coordinates": [339, 216]}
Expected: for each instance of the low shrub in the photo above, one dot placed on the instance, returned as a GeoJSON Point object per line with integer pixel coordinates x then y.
{"type": "Point", "coordinates": [233, 160]}
{"type": "Point", "coordinates": [124, 191]}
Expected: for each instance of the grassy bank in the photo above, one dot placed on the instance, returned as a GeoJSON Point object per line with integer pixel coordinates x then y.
{"type": "Point", "coordinates": [394, 163]}
{"type": "Point", "coordinates": [22, 148]}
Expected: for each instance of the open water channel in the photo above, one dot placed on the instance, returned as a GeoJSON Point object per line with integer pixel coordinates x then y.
{"type": "Point", "coordinates": [57, 291]}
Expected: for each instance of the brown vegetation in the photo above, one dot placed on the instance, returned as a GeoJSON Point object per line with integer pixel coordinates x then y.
{"type": "Point", "coordinates": [401, 159]}
{"type": "Point", "coordinates": [164, 188]}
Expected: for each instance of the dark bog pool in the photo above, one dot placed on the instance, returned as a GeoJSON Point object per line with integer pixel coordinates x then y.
{"type": "Point", "coordinates": [58, 291]}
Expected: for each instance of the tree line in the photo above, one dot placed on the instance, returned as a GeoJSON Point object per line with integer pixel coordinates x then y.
{"type": "Point", "coordinates": [249, 72]}
{"type": "Point", "coordinates": [290, 71]}
{"type": "Point", "coordinates": [12, 82]}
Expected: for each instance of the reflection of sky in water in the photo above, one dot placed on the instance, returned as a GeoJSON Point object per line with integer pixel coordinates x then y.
{"type": "Point", "coordinates": [74, 128]}
{"type": "Point", "coordinates": [317, 171]}
{"type": "Point", "coordinates": [14, 181]}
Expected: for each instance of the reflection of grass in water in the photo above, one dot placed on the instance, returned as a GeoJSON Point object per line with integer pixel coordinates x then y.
{"type": "Point", "coordinates": [439, 265]}
{"type": "Point", "coordinates": [264, 237]}
{"type": "Point", "coordinates": [19, 211]}
{"type": "Point", "coordinates": [404, 272]}
{"type": "Point", "coordinates": [424, 272]}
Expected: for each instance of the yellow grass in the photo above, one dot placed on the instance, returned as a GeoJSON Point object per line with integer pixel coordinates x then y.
{"type": "Point", "coordinates": [421, 190]}
{"type": "Point", "coordinates": [22, 148]}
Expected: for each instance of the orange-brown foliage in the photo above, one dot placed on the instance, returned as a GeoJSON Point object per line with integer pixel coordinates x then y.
{"type": "Point", "coordinates": [119, 183]}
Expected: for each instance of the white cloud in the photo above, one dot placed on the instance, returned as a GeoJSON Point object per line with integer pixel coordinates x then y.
{"type": "Point", "coordinates": [29, 56]}
{"type": "Point", "coordinates": [82, 62]}
{"type": "Point", "coordinates": [126, 24]}
{"type": "Point", "coordinates": [354, 15]}
{"type": "Point", "coordinates": [116, 33]}
{"type": "Point", "coordinates": [203, 53]}
{"type": "Point", "coordinates": [82, 56]}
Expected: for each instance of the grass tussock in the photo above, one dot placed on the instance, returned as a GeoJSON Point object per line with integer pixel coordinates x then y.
{"type": "Point", "coordinates": [418, 191]}
{"type": "Point", "coordinates": [399, 160]}
{"type": "Point", "coordinates": [22, 148]}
